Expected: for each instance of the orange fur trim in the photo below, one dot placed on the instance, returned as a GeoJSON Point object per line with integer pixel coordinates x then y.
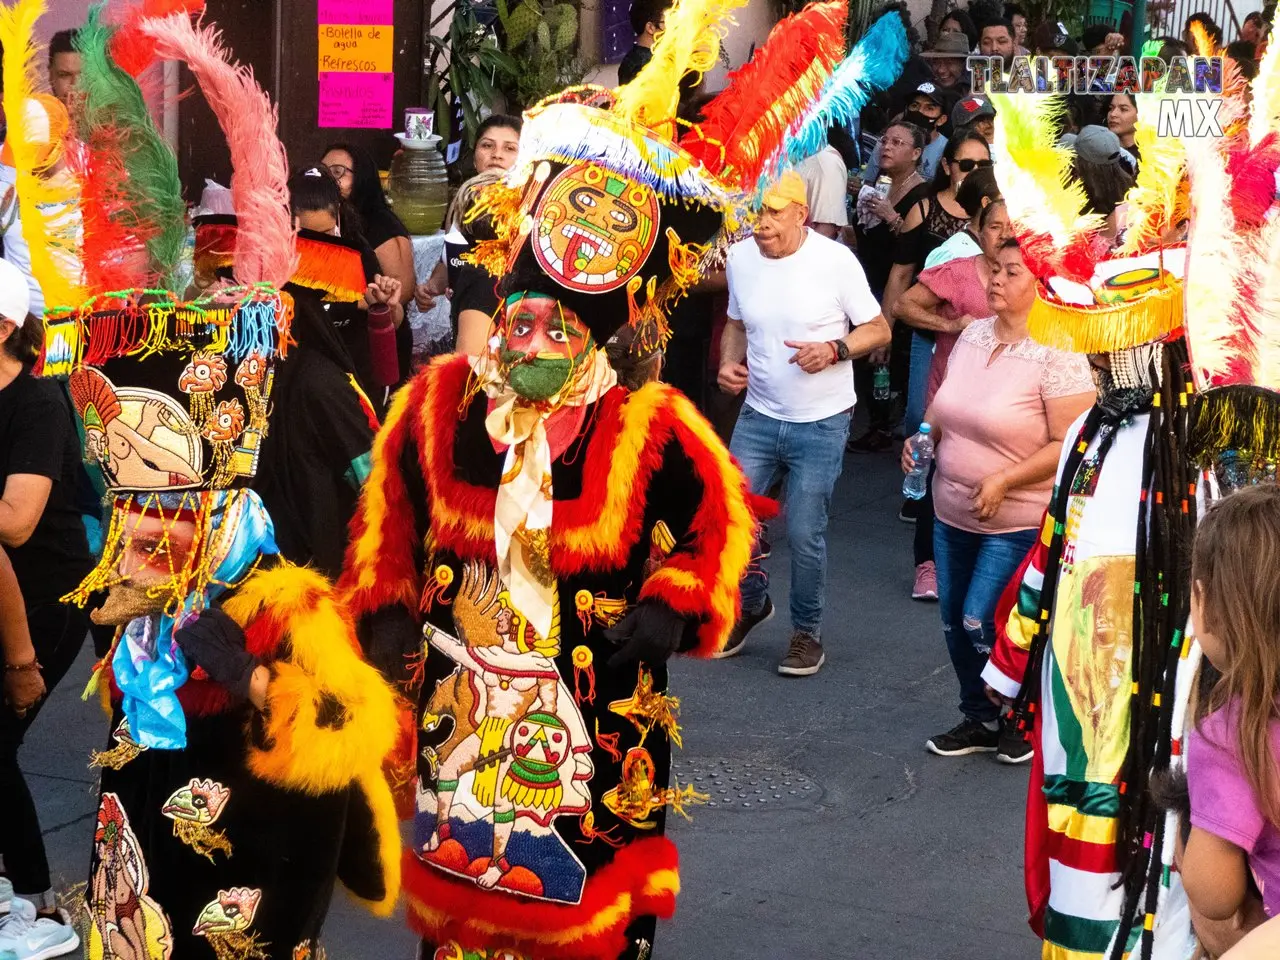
{"type": "Point", "coordinates": [643, 879]}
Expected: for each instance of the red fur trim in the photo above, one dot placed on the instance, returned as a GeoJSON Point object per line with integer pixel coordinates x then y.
{"type": "Point", "coordinates": [442, 908]}
{"type": "Point", "coordinates": [762, 508]}
{"type": "Point", "coordinates": [380, 569]}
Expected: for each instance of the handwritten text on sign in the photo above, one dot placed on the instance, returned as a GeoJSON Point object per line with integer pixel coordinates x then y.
{"type": "Point", "coordinates": [356, 49]}
{"type": "Point", "coordinates": [356, 11]}
{"type": "Point", "coordinates": [356, 100]}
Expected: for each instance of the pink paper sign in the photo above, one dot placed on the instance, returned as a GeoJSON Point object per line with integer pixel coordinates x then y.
{"type": "Point", "coordinates": [355, 11]}
{"type": "Point", "coordinates": [356, 100]}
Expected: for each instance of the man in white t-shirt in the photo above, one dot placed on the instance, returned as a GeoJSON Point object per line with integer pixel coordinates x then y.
{"type": "Point", "coordinates": [799, 311]}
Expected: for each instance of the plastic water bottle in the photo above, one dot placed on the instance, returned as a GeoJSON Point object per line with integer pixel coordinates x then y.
{"type": "Point", "coordinates": [382, 346]}
{"type": "Point", "coordinates": [916, 483]}
{"type": "Point", "coordinates": [880, 382]}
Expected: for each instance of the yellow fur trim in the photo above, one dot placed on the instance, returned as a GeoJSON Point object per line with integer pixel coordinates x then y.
{"type": "Point", "coordinates": [664, 881]}
{"type": "Point", "coordinates": [373, 497]}
{"type": "Point", "coordinates": [45, 204]}
{"type": "Point", "coordinates": [330, 719]}
{"type": "Point", "coordinates": [1106, 329]}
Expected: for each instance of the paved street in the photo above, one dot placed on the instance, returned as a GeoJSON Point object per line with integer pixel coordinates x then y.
{"type": "Point", "coordinates": [833, 834]}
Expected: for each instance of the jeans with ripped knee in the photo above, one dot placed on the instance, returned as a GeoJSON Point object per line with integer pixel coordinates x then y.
{"type": "Point", "coordinates": [973, 570]}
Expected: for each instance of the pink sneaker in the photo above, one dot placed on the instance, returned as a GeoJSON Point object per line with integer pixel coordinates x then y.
{"type": "Point", "coordinates": [926, 586]}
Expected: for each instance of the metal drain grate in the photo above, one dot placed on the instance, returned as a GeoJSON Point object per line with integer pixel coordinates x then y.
{"type": "Point", "coordinates": [738, 784]}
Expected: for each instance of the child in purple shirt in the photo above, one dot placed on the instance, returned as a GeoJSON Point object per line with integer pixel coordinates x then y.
{"type": "Point", "coordinates": [1232, 753]}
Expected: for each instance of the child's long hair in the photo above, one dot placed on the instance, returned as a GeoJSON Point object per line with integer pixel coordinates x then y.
{"type": "Point", "coordinates": [1236, 556]}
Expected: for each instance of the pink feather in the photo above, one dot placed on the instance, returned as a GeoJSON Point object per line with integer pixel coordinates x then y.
{"type": "Point", "coordinates": [266, 250]}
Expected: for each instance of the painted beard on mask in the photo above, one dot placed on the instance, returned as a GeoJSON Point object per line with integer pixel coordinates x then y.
{"type": "Point", "coordinates": [126, 602]}
{"type": "Point", "coordinates": [543, 346]}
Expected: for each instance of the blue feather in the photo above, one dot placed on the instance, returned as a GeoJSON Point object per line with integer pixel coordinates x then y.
{"type": "Point", "coordinates": [873, 64]}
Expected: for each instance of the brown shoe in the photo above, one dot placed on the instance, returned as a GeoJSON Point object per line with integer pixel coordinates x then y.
{"type": "Point", "coordinates": [804, 657]}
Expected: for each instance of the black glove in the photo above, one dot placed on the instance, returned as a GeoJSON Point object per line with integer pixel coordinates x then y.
{"type": "Point", "coordinates": [215, 642]}
{"type": "Point", "coordinates": [651, 632]}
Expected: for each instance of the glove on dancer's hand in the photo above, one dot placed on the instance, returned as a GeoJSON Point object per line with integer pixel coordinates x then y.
{"type": "Point", "coordinates": [651, 633]}
{"type": "Point", "coordinates": [215, 642]}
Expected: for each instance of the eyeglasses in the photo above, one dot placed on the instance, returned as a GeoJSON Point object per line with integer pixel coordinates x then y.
{"type": "Point", "coordinates": [898, 142]}
{"type": "Point", "coordinates": [968, 166]}
{"type": "Point", "coordinates": [338, 170]}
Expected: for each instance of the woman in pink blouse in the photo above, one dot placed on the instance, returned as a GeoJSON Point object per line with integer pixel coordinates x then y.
{"type": "Point", "coordinates": [998, 421]}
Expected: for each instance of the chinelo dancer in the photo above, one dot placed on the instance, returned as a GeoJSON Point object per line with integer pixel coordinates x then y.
{"type": "Point", "coordinates": [535, 542]}
{"type": "Point", "coordinates": [242, 777]}
{"type": "Point", "coordinates": [1092, 647]}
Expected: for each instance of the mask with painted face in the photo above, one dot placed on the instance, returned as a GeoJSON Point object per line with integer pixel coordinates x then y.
{"type": "Point", "coordinates": [543, 345]}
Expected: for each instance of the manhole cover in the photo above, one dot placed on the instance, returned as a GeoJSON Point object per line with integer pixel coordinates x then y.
{"type": "Point", "coordinates": [746, 784]}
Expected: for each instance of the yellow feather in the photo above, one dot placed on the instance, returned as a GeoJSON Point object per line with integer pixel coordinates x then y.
{"type": "Point", "coordinates": [689, 44]}
{"type": "Point", "coordinates": [1265, 96]}
{"type": "Point", "coordinates": [1034, 172]}
{"type": "Point", "coordinates": [46, 205]}
{"type": "Point", "coordinates": [1153, 199]}
{"type": "Point", "coordinates": [1214, 265]}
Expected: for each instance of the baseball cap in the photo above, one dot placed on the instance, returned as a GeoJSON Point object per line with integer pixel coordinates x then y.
{"type": "Point", "coordinates": [933, 92]}
{"type": "Point", "coordinates": [948, 46]}
{"type": "Point", "coordinates": [970, 109]}
{"type": "Point", "coordinates": [15, 294]}
{"type": "Point", "coordinates": [1098, 145]}
{"type": "Point", "coordinates": [786, 190]}
{"type": "Point", "coordinates": [47, 123]}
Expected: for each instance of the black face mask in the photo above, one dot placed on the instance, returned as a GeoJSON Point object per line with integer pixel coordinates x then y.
{"type": "Point", "coordinates": [920, 120]}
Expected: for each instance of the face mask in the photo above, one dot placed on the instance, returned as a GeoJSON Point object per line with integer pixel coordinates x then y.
{"type": "Point", "coordinates": [919, 119]}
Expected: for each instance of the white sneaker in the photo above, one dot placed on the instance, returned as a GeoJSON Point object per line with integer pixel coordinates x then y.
{"type": "Point", "coordinates": [26, 936]}
{"type": "Point", "coordinates": [6, 895]}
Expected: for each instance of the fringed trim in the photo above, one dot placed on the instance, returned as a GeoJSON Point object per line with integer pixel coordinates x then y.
{"type": "Point", "coordinates": [1107, 328]}
{"type": "Point", "coordinates": [236, 321]}
{"type": "Point", "coordinates": [330, 267]}
{"type": "Point", "coordinates": [642, 880]}
{"type": "Point", "coordinates": [1241, 418]}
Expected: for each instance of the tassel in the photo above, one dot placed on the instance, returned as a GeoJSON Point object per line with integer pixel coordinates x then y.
{"type": "Point", "coordinates": [1241, 418]}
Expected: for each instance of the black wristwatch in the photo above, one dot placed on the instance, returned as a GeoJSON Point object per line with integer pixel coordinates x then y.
{"type": "Point", "coordinates": [842, 350]}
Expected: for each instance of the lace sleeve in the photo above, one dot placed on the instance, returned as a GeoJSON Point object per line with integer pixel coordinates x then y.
{"type": "Point", "coordinates": [1065, 374]}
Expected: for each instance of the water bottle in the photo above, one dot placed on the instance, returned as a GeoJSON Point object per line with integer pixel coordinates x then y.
{"type": "Point", "coordinates": [916, 483]}
{"type": "Point", "coordinates": [382, 346]}
{"type": "Point", "coordinates": [880, 382]}
{"type": "Point", "coordinates": [883, 185]}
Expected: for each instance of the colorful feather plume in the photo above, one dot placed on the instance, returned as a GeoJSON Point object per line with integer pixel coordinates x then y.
{"type": "Point", "coordinates": [1156, 202]}
{"type": "Point", "coordinates": [873, 64]}
{"type": "Point", "coordinates": [47, 204]}
{"type": "Point", "coordinates": [1046, 205]}
{"type": "Point", "coordinates": [1214, 269]}
{"type": "Point", "coordinates": [745, 125]}
{"type": "Point", "coordinates": [132, 49]}
{"type": "Point", "coordinates": [134, 215]}
{"type": "Point", "coordinates": [265, 249]}
{"type": "Point", "coordinates": [688, 45]}
{"type": "Point", "coordinates": [1264, 109]}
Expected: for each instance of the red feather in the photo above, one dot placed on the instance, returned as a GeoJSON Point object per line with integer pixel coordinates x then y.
{"type": "Point", "coordinates": [133, 50]}
{"type": "Point", "coordinates": [748, 121]}
{"type": "Point", "coordinates": [1253, 183]}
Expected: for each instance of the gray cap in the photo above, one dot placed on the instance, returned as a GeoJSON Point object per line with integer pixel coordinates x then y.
{"type": "Point", "coordinates": [1098, 145]}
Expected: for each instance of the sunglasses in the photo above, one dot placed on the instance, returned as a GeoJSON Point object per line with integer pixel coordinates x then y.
{"type": "Point", "coordinates": [338, 170]}
{"type": "Point", "coordinates": [968, 166]}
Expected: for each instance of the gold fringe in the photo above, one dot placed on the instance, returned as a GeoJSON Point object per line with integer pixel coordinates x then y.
{"type": "Point", "coordinates": [1241, 418]}
{"type": "Point", "coordinates": [1107, 328]}
{"type": "Point", "coordinates": [202, 838]}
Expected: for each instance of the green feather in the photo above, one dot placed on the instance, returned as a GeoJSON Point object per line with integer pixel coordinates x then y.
{"type": "Point", "coordinates": [114, 109]}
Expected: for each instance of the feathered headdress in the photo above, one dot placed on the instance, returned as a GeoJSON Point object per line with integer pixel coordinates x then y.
{"type": "Point", "coordinates": [1233, 283]}
{"type": "Point", "coordinates": [47, 203]}
{"type": "Point", "coordinates": [131, 199]}
{"type": "Point", "coordinates": [745, 126]}
{"type": "Point", "coordinates": [259, 182]}
{"type": "Point", "coordinates": [1092, 297]}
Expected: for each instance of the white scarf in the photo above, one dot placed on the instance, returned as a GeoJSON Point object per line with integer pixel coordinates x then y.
{"type": "Point", "coordinates": [522, 514]}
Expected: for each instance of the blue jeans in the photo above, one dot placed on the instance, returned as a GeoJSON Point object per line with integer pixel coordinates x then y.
{"type": "Point", "coordinates": [973, 570]}
{"type": "Point", "coordinates": [917, 382]}
{"type": "Point", "coordinates": [809, 456]}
